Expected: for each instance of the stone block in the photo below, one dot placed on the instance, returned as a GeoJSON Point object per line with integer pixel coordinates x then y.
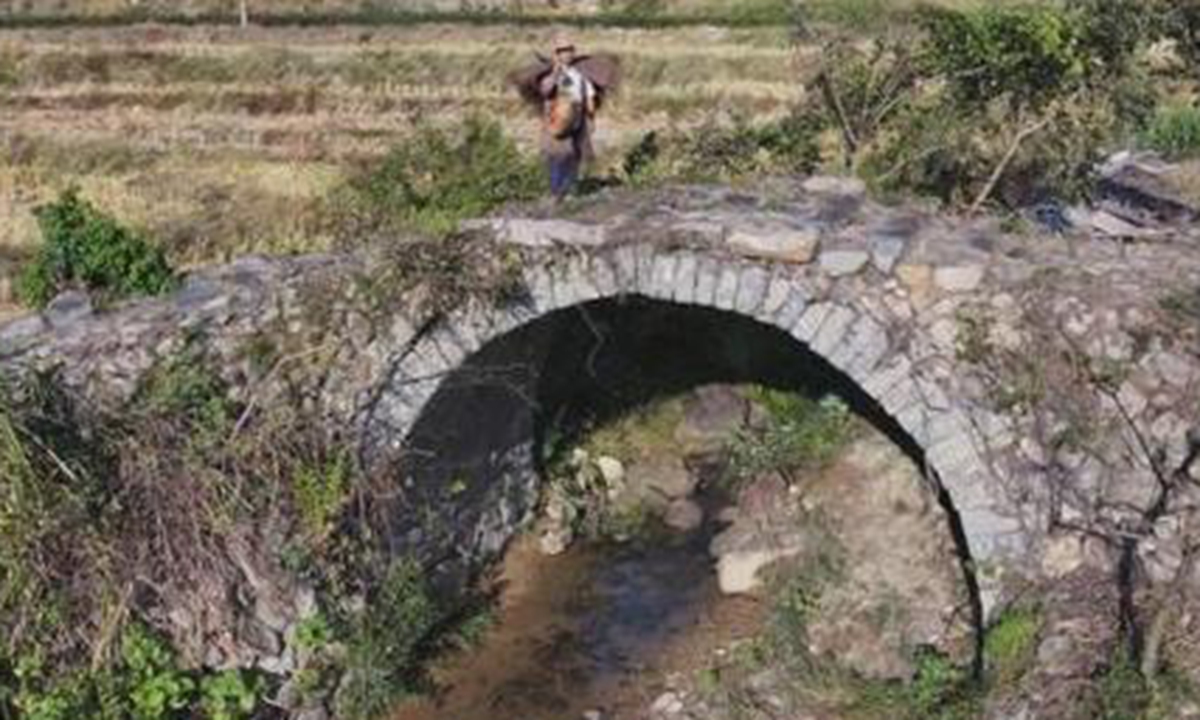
{"type": "Point", "coordinates": [708, 274]}
{"type": "Point", "coordinates": [624, 263]}
{"type": "Point", "coordinates": [833, 330]}
{"type": "Point", "coordinates": [833, 185]}
{"type": "Point", "coordinates": [547, 233]}
{"type": "Point", "coordinates": [752, 288]}
{"type": "Point", "coordinates": [840, 263]}
{"type": "Point", "coordinates": [662, 276]}
{"type": "Point", "coordinates": [918, 281]}
{"type": "Point", "coordinates": [886, 252]}
{"type": "Point", "coordinates": [683, 285]}
{"type": "Point", "coordinates": [793, 308]}
{"type": "Point", "coordinates": [727, 286]}
{"type": "Point", "coordinates": [644, 255]}
{"type": "Point", "coordinates": [604, 277]}
{"type": "Point", "coordinates": [962, 278]}
{"type": "Point", "coordinates": [809, 323]}
{"type": "Point", "coordinates": [776, 242]}
{"type": "Point", "coordinates": [779, 288]}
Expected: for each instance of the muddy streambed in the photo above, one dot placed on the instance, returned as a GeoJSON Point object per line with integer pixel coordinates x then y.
{"type": "Point", "coordinates": [602, 627]}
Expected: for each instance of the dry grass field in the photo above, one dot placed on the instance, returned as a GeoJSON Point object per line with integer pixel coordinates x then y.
{"type": "Point", "coordinates": [220, 140]}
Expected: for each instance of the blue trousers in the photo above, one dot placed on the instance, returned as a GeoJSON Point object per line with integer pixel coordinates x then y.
{"type": "Point", "coordinates": [564, 171]}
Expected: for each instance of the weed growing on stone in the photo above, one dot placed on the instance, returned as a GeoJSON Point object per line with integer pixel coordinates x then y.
{"type": "Point", "coordinates": [442, 275]}
{"type": "Point", "coordinates": [93, 505]}
{"type": "Point", "coordinates": [230, 695]}
{"type": "Point", "coordinates": [321, 491]}
{"type": "Point", "coordinates": [1009, 645]}
{"type": "Point", "coordinates": [973, 340]}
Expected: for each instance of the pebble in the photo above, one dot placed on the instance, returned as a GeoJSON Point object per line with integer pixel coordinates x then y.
{"type": "Point", "coordinates": [667, 704]}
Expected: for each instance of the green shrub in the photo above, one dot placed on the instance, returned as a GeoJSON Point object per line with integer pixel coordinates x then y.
{"type": "Point", "coordinates": [1008, 104]}
{"type": "Point", "coordinates": [320, 491]}
{"type": "Point", "coordinates": [313, 633]}
{"type": "Point", "coordinates": [434, 180]}
{"type": "Point", "coordinates": [157, 687]}
{"type": "Point", "coordinates": [801, 433]}
{"type": "Point", "coordinates": [1010, 643]}
{"type": "Point", "coordinates": [1029, 53]}
{"type": "Point", "coordinates": [229, 695]}
{"type": "Point", "coordinates": [145, 683]}
{"type": "Point", "coordinates": [1174, 131]}
{"type": "Point", "coordinates": [1122, 692]}
{"type": "Point", "coordinates": [940, 689]}
{"type": "Point", "coordinates": [185, 387]}
{"type": "Point", "coordinates": [714, 152]}
{"type": "Point", "coordinates": [85, 247]}
{"type": "Point", "coordinates": [387, 645]}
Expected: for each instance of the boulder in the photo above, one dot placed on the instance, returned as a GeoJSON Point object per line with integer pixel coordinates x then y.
{"type": "Point", "coordinates": [712, 415]}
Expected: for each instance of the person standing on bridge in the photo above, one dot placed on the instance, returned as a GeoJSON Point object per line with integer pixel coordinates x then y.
{"type": "Point", "coordinates": [566, 90]}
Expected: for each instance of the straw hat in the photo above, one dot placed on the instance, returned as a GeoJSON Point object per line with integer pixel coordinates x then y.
{"type": "Point", "coordinates": [562, 42]}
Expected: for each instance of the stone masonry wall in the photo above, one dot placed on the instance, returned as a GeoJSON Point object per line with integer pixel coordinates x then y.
{"type": "Point", "coordinates": [1050, 381]}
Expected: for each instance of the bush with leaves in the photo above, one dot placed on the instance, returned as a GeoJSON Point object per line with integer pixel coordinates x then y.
{"type": "Point", "coordinates": [229, 695]}
{"type": "Point", "coordinates": [1007, 104]}
{"type": "Point", "coordinates": [800, 433]}
{"type": "Point", "coordinates": [84, 247]}
{"type": "Point", "coordinates": [144, 682]}
{"type": "Point", "coordinates": [433, 180]}
{"type": "Point", "coordinates": [93, 504]}
{"type": "Point", "coordinates": [714, 152]}
{"type": "Point", "coordinates": [1026, 54]}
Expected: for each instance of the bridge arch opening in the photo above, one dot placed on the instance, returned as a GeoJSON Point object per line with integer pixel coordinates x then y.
{"type": "Point", "coordinates": [471, 463]}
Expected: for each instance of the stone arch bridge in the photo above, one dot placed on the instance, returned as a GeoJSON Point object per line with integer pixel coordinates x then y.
{"type": "Point", "coordinates": [1045, 381]}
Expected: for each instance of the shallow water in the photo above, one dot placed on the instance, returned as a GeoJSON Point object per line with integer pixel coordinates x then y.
{"type": "Point", "coordinates": [597, 628]}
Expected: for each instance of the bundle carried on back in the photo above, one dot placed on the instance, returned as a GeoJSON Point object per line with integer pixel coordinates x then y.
{"type": "Point", "coordinates": [566, 92]}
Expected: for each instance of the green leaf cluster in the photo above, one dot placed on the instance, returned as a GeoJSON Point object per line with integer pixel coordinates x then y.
{"type": "Point", "coordinates": [84, 247]}
{"type": "Point", "coordinates": [435, 179]}
{"type": "Point", "coordinates": [145, 682]}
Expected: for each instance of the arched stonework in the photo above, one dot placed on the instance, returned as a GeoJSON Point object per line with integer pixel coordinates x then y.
{"type": "Point", "coordinates": [885, 294]}
{"type": "Point", "coordinates": [854, 333]}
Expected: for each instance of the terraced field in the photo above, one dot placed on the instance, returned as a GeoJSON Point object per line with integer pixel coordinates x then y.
{"type": "Point", "coordinates": [221, 140]}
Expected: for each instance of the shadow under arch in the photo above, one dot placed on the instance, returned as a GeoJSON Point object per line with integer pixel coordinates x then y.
{"type": "Point", "coordinates": [473, 457]}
